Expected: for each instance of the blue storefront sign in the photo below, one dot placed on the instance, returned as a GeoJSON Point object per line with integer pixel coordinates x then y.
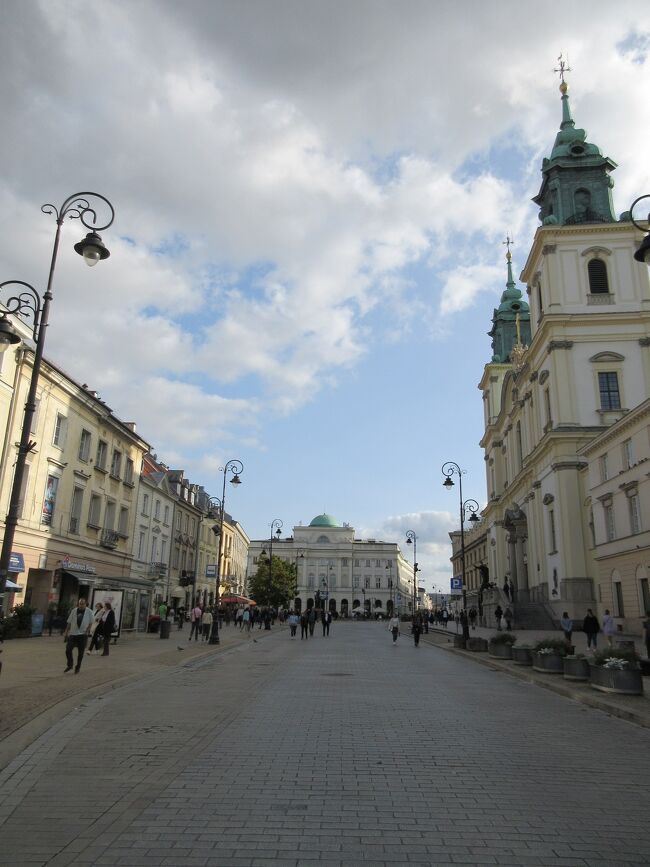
{"type": "Point", "coordinates": [16, 562]}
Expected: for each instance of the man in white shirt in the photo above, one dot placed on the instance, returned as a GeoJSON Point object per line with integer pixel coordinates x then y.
{"type": "Point", "coordinates": [195, 619]}
{"type": "Point", "coordinates": [76, 633]}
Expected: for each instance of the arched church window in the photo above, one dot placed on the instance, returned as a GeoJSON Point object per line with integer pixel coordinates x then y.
{"type": "Point", "coordinates": [598, 282]}
{"type": "Point", "coordinates": [322, 540]}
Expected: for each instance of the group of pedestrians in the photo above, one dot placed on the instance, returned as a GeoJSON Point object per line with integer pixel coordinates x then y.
{"type": "Point", "coordinates": [591, 627]}
{"type": "Point", "coordinates": [419, 624]}
{"type": "Point", "coordinates": [83, 623]}
{"type": "Point", "coordinates": [307, 620]}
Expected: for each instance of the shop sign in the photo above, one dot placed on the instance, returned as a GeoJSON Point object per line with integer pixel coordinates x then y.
{"type": "Point", "coordinates": [16, 562]}
{"type": "Point", "coordinates": [211, 570]}
{"type": "Point", "coordinates": [67, 563]}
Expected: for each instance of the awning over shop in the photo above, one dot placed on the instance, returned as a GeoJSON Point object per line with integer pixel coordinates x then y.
{"type": "Point", "coordinates": [232, 599]}
{"type": "Point", "coordinates": [124, 582]}
{"type": "Point", "coordinates": [177, 592]}
{"type": "Point", "coordinates": [81, 577]}
{"type": "Point", "coordinates": [12, 587]}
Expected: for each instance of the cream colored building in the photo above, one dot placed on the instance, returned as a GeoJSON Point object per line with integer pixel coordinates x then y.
{"type": "Point", "coordinates": [154, 522]}
{"type": "Point", "coordinates": [352, 573]}
{"type": "Point", "coordinates": [618, 506]}
{"type": "Point", "coordinates": [79, 494]}
{"type": "Point", "coordinates": [586, 366]}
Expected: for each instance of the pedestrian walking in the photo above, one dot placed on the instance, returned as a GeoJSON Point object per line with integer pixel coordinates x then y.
{"type": "Point", "coordinates": [246, 619]}
{"type": "Point", "coordinates": [506, 589]}
{"type": "Point", "coordinates": [76, 634]}
{"type": "Point", "coordinates": [567, 626]}
{"type": "Point", "coordinates": [180, 617]}
{"type": "Point", "coordinates": [498, 613]}
{"type": "Point", "coordinates": [294, 620]}
{"type": "Point", "coordinates": [326, 620]}
{"type": "Point", "coordinates": [416, 629]}
{"type": "Point", "coordinates": [206, 624]}
{"type": "Point", "coordinates": [591, 629]}
{"type": "Point", "coordinates": [473, 614]}
{"type": "Point", "coordinates": [311, 619]}
{"type": "Point", "coordinates": [609, 627]}
{"type": "Point", "coordinates": [51, 617]}
{"type": "Point", "coordinates": [445, 618]}
{"type": "Point", "coordinates": [162, 611]}
{"type": "Point", "coordinates": [393, 627]}
{"type": "Point", "coordinates": [107, 626]}
{"type": "Point", "coordinates": [195, 621]}
{"type": "Point", "coordinates": [507, 616]}
{"type": "Point", "coordinates": [304, 625]}
{"type": "Point", "coordinates": [96, 629]}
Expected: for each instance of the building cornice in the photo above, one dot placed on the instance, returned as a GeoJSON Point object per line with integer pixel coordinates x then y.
{"type": "Point", "coordinates": [613, 431]}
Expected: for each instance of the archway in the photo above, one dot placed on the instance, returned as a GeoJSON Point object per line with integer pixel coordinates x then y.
{"type": "Point", "coordinates": [310, 603]}
{"type": "Point", "coordinates": [297, 605]}
{"type": "Point", "coordinates": [389, 607]}
{"type": "Point", "coordinates": [332, 606]}
{"type": "Point", "coordinates": [344, 608]}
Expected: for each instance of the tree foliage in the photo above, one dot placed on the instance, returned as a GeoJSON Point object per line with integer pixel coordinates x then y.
{"type": "Point", "coordinates": [280, 591]}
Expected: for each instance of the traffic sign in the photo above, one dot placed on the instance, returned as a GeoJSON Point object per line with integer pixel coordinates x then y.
{"type": "Point", "coordinates": [456, 586]}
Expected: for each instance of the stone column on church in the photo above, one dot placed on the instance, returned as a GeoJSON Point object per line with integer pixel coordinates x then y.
{"type": "Point", "coordinates": [512, 560]}
{"type": "Point", "coordinates": [522, 575]}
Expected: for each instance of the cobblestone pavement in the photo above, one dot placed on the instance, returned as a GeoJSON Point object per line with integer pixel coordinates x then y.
{"type": "Point", "coordinates": [341, 751]}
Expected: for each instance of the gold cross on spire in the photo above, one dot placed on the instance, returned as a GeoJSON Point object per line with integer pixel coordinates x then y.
{"type": "Point", "coordinates": [563, 67]}
{"type": "Point", "coordinates": [508, 243]}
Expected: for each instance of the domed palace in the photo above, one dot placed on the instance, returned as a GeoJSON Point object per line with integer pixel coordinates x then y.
{"type": "Point", "coordinates": [337, 571]}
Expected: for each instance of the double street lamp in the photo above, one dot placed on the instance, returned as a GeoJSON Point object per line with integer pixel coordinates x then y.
{"type": "Point", "coordinates": [276, 525]}
{"type": "Point", "coordinates": [643, 253]}
{"type": "Point", "coordinates": [29, 303]}
{"type": "Point", "coordinates": [235, 467]}
{"type": "Point", "coordinates": [448, 470]}
{"type": "Point", "coordinates": [412, 539]}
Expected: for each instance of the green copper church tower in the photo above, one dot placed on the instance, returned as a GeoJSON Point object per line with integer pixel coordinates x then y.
{"type": "Point", "coordinates": [510, 320]}
{"type": "Point", "coordinates": [576, 185]}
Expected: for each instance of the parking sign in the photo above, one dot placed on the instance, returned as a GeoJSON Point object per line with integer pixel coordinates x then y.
{"type": "Point", "coordinates": [456, 586]}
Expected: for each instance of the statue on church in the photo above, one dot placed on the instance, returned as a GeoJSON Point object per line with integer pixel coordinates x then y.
{"type": "Point", "coordinates": [583, 213]}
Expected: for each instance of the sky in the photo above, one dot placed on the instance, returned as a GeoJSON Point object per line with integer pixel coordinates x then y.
{"type": "Point", "coordinates": [311, 199]}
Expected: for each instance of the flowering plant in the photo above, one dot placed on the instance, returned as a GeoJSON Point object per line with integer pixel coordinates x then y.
{"type": "Point", "coordinates": [614, 662]}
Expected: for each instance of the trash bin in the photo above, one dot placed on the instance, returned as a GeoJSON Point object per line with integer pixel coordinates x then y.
{"type": "Point", "coordinates": [165, 628]}
{"type": "Point", "coordinates": [37, 624]}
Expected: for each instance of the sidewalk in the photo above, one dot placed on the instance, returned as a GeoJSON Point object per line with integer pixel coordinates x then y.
{"type": "Point", "coordinates": [34, 691]}
{"type": "Point", "coordinates": [634, 708]}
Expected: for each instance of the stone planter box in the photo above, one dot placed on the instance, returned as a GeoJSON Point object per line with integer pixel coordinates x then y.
{"type": "Point", "coordinates": [459, 642]}
{"type": "Point", "coordinates": [500, 651]}
{"type": "Point", "coordinates": [522, 655]}
{"type": "Point", "coordinates": [576, 668]}
{"type": "Point", "coordinates": [478, 645]}
{"type": "Point", "coordinates": [623, 681]}
{"type": "Point", "coordinates": [549, 663]}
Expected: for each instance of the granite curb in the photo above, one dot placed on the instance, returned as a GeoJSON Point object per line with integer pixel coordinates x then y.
{"type": "Point", "coordinates": [623, 707]}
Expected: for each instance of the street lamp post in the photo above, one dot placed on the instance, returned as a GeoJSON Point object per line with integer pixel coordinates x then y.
{"type": "Point", "coordinates": [29, 302]}
{"type": "Point", "coordinates": [448, 470]}
{"type": "Point", "coordinates": [276, 524]}
{"type": "Point", "coordinates": [412, 539]}
{"type": "Point", "coordinates": [643, 253]}
{"type": "Point", "coordinates": [235, 467]}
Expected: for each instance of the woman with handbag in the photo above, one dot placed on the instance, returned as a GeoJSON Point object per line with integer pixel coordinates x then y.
{"type": "Point", "coordinates": [107, 625]}
{"type": "Point", "coordinates": [95, 629]}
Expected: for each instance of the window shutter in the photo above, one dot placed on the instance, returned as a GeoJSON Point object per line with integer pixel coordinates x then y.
{"type": "Point", "coordinates": [598, 282]}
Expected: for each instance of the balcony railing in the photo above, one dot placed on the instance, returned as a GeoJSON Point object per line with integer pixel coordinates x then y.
{"type": "Point", "coordinates": [157, 568]}
{"type": "Point", "coordinates": [109, 539]}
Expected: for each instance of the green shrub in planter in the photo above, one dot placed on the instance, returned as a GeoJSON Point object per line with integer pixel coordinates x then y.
{"type": "Point", "coordinates": [616, 670]}
{"type": "Point", "coordinates": [557, 646]}
{"type": "Point", "coordinates": [503, 638]}
{"type": "Point", "coordinates": [22, 615]}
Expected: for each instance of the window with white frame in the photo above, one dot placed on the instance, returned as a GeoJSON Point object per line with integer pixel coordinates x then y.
{"type": "Point", "coordinates": [123, 524]}
{"type": "Point", "coordinates": [116, 463]}
{"type": "Point", "coordinates": [551, 528]}
{"type": "Point", "coordinates": [355, 580]}
{"type": "Point", "coordinates": [604, 469]}
{"type": "Point", "coordinates": [102, 455]}
{"type": "Point", "coordinates": [156, 510]}
{"type": "Point", "coordinates": [142, 538]}
{"type": "Point", "coordinates": [145, 505]}
{"type": "Point", "coordinates": [366, 582]}
{"type": "Point", "coordinates": [75, 510]}
{"type": "Point", "coordinates": [109, 515]}
{"type": "Point", "coordinates": [60, 430]}
{"type": "Point", "coordinates": [610, 395]}
{"type": "Point", "coordinates": [166, 515]}
{"type": "Point", "coordinates": [610, 526]}
{"type": "Point", "coordinates": [128, 472]}
{"type": "Point", "coordinates": [94, 510]}
{"type": "Point", "coordinates": [628, 454]}
{"type": "Point", "coordinates": [634, 509]}
{"type": "Point", "coordinates": [84, 445]}
{"type": "Point", "coordinates": [34, 424]}
{"type": "Point", "coordinates": [377, 582]}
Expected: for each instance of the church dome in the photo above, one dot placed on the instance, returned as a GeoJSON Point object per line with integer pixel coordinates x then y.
{"type": "Point", "coordinates": [324, 521]}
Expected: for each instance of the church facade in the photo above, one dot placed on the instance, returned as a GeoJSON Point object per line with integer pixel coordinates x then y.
{"type": "Point", "coordinates": [567, 364]}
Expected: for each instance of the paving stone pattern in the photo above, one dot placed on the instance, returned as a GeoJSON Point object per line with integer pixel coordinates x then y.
{"type": "Point", "coordinates": [339, 751]}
